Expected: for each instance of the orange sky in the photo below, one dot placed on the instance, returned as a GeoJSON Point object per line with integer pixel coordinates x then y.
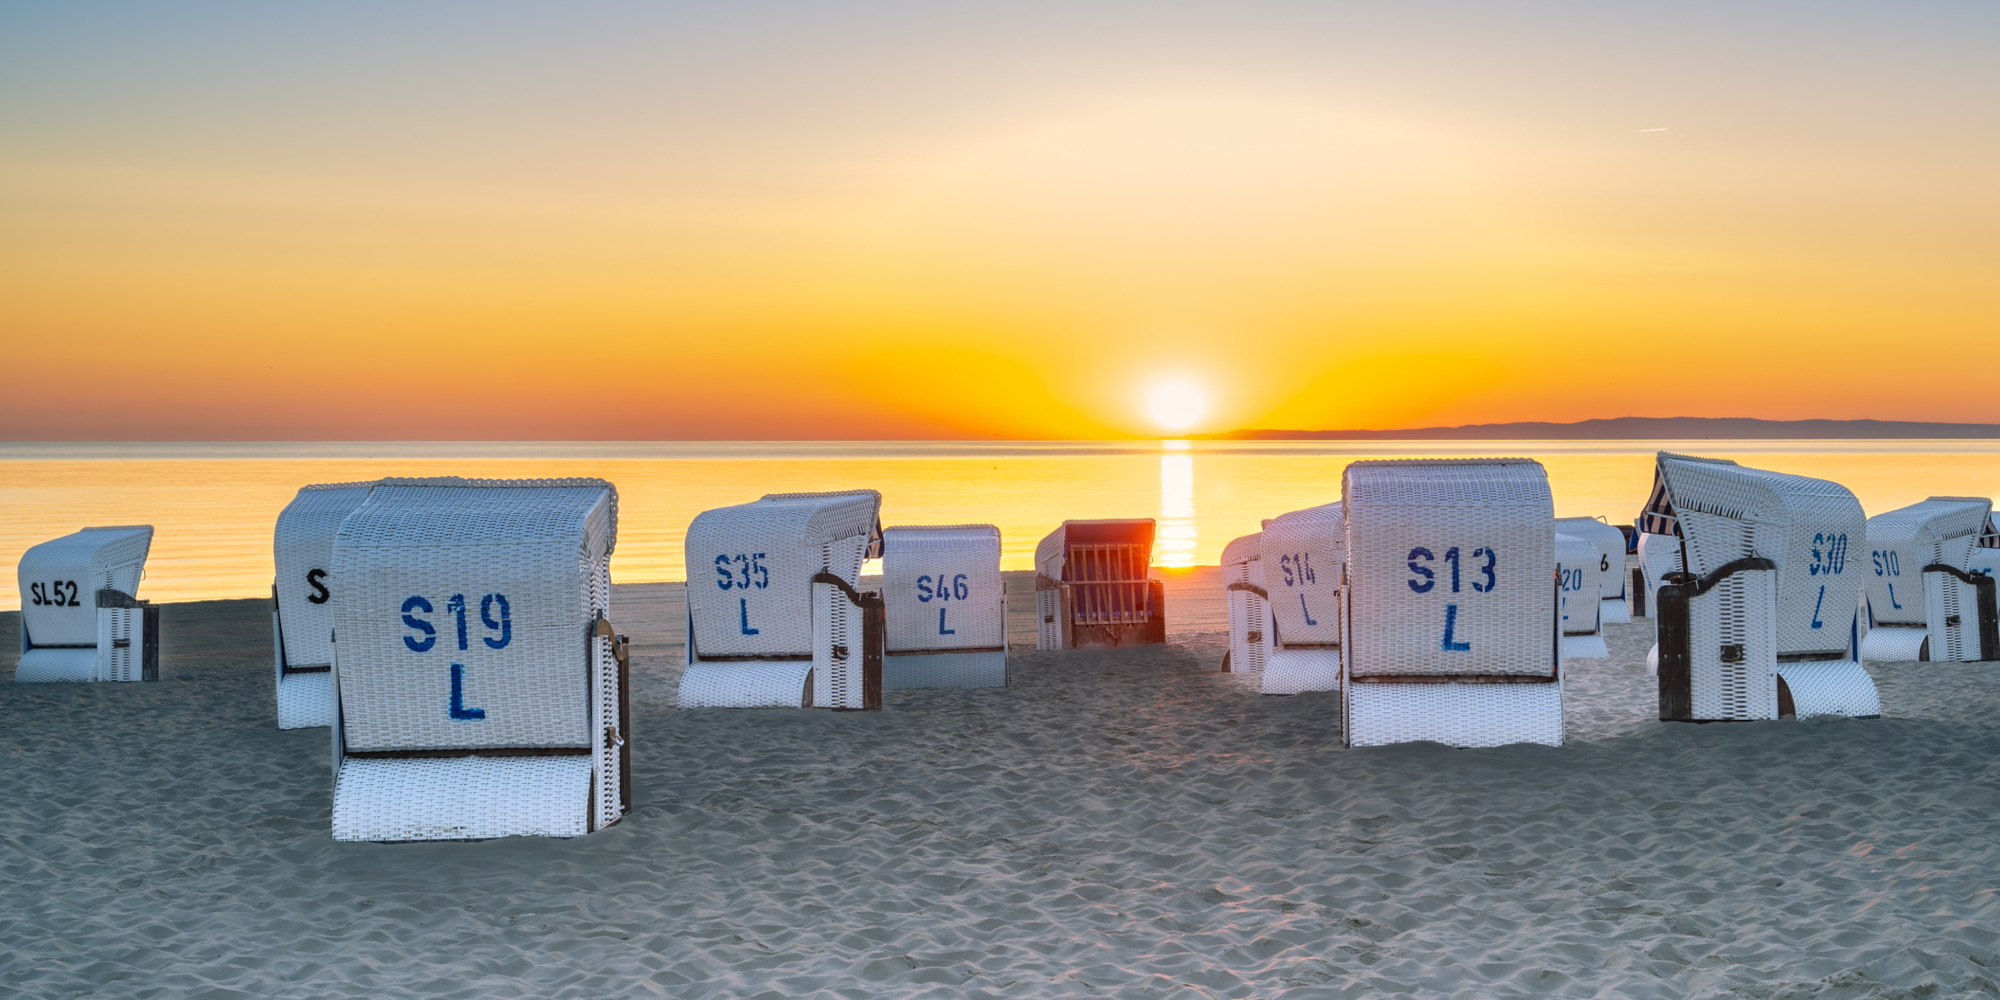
{"type": "Point", "coordinates": [786, 221]}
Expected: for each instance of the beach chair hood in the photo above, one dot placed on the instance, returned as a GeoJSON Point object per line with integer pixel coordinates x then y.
{"type": "Point", "coordinates": [1902, 542]}
{"type": "Point", "coordinates": [750, 567]}
{"type": "Point", "coordinates": [1813, 529]}
{"type": "Point", "coordinates": [60, 579]}
{"type": "Point", "coordinates": [1246, 549]}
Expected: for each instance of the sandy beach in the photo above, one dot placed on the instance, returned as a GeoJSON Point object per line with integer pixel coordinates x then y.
{"type": "Point", "coordinates": [1125, 823]}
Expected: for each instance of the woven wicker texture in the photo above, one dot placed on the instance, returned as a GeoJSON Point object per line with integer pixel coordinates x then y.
{"type": "Point", "coordinates": [305, 701]}
{"type": "Point", "coordinates": [939, 670]}
{"type": "Point", "coordinates": [941, 585]}
{"type": "Point", "coordinates": [464, 611]}
{"type": "Point", "coordinates": [302, 548]}
{"type": "Point", "coordinates": [1610, 544]}
{"type": "Point", "coordinates": [1451, 566]}
{"type": "Point", "coordinates": [1815, 531]}
{"type": "Point", "coordinates": [121, 638]}
{"type": "Point", "coordinates": [1459, 715]}
{"type": "Point", "coordinates": [1831, 687]}
{"type": "Point", "coordinates": [1305, 552]}
{"type": "Point", "coordinates": [1584, 647]}
{"type": "Point", "coordinates": [60, 579]}
{"type": "Point", "coordinates": [1249, 614]}
{"type": "Point", "coordinates": [59, 663]}
{"type": "Point", "coordinates": [1733, 647]}
{"type": "Point", "coordinates": [1048, 626]}
{"type": "Point", "coordinates": [749, 568]}
{"type": "Point", "coordinates": [461, 798]}
{"type": "Point", "coordinates": [838, 636]}
{"type": "Point", "coordinates": [1296, 671]}
{"type": "Point", "coordinates": [1579, 584]}
{"type": "Point", "coordinates": [1658, 556]}
{"type": "Point", "coordinates": [1894, 643]}
{"type": "Point", "coordinates": [746, 684]}
{"type": "Point", "coordinates": [1902, 542]}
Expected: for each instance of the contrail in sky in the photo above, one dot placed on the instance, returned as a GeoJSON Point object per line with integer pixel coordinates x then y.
{"type": "Point", "coordinates": [1649, 130]}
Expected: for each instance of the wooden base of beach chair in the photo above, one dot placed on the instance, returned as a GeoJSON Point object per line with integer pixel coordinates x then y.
{"type": "Point", "coordinates": [305, 699]}
{"type": "Point", "coordinates": [1296, 671]}
{"type": "Point", "coordinates": [1584, 647]}
{"type": "Point", "coordinates": [973, 669]}
{"type": "Point", "coordinates": [1831, 687]}
{"type": "Point", "coordinates": [46, 664]}
{"type": "Point", "coordinates": [1459, 714]}
{"type": "Point", "coordinates": [1893, 643]}
{"type": "Point", "coordinates": [462, 798]}
{"type": "Point", "coordinates": [1614, 611]}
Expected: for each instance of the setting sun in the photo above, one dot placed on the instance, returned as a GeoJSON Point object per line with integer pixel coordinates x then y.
{"type": "Point", "coordinates": [1176, 405]}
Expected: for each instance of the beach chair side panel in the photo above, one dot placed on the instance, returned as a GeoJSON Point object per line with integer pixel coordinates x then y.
{"type": "Point", "coordinates": [302, 594]}
{"type": "Point", "coordinates": [1249, 622]}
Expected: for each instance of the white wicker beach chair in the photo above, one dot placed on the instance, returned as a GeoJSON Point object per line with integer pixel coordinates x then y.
{"type": "Point", "coordinates": [1612, 579]}
{"type": "Point", "coordinates": [301, 596]}
{"type": "Point", "coordinates": [1452, 632]}
{"type": "Point", "coordinates": [80, 620]}
{"type": "Point", "coordinates": [1765, 619]}
{"type": "Point", "coordinates": [1659, 554]}
{"type": "Point", "coordinates": [1305, 555]}
{"type": "Point", "coordinates": [946, 607]}
{"type": "Point", "coordinates": [479, 689]}
{"type": "Point", "coordinates": [774, 619]}
{"type": "Point", "coordinates": [1094, 586]}
{"type": "Point", "coordinates": [1577, 588]}
{"type": "Point", "coordinates": [1249, 607]}
{"type": "Point", "coordinates": [1924, 598]}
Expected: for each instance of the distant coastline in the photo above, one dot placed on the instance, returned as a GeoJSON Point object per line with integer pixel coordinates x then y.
{"type": "Point", "coordinates": [1640, 428]}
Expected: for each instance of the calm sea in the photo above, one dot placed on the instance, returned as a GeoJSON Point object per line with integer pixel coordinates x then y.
{"type": "Point", "coordinates": [214, 505]}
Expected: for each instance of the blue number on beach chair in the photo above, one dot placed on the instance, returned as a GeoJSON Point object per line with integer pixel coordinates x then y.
{"type": "Point", "coordinates": [458, 709]}
{"type": "Point", "coordinates": [505, 626]}
{"type": "Point", "coordinates": [430, 632]}
{"type": "Point", "coordinates": [1450, 624]}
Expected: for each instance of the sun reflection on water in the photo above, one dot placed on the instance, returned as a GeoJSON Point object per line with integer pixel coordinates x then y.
{"type": "Point", "coordinates": [1174, 542]}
